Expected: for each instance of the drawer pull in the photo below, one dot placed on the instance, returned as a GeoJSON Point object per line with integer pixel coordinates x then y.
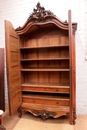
{"type": "Point", "coordinates": [57, 90]}
{"type": "Point", "coordinates": [57, 102]}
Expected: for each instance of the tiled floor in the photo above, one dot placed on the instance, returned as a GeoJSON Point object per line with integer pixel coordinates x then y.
{"type": "Point", "coordinates": [38, 124]}
{"type": "Point", "coordinates": [9, 121]}
{"type": "Point", "coordinates": [81, 122]}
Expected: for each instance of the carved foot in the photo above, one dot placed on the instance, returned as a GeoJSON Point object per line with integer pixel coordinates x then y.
{"type": "Point", "coordinates": [2, 127]}
{"type": "Point", "coordinates": [74, 116]}
{"type": "Point", "coordinates": [20, 112]}
{"type": "Point", "coordinates": [67, 114]}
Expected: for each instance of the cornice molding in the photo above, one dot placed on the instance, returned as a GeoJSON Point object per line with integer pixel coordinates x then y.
{"type": "Point", "coordinates": [40, 17]}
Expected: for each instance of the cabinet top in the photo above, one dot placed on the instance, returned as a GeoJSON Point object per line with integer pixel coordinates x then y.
{"type": "Point", "coordinates": [41, 17]}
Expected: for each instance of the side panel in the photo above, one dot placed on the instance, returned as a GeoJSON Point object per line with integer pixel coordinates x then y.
{"type": "Point", "coordinates": [13, 67]}
{"type": "Point", "coordinates": [72, 72]}
{"type": "Point", "coordinates": [2, 96]}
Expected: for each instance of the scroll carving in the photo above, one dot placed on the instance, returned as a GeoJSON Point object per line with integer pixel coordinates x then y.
{"type": "Point", "coordinates": [74, 116]}
{"type": "Point", "coordinates": [2, 127]}
{"type": "Point", "coordinates": [74, 28]}
{"type": "Point", "coordinates": [44, 114]}
{"type": "Point", "coordinates": [39, 14]}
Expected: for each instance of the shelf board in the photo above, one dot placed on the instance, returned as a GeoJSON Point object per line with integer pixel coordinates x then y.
{"type": "Point", "coordinates": [45, 69]}
{"type": "Point", "coordinates": [46, 87]}
{"type": "Point", "coordinates": [51, 85]}
{"type": "Point", "coordinates": [38, 47]}
{"type": "Point", "coordinates": [45, 96]}
{"type": "Point", "coordinates": [33, 59]}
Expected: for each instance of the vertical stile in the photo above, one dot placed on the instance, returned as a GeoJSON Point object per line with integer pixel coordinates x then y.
{"type": "Point", "coordinates": [72, 55]}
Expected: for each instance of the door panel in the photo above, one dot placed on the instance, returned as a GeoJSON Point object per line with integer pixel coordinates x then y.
{"type": "Point", "coordinates": [2, 98]}
{"type": "Point", "coordinates": [13, 67]}
{"type": "Point", "coordinates": [72, 71]}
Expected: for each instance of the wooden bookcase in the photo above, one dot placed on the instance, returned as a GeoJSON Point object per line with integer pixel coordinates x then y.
{"type": "Point", "coordinates": [41, 65]}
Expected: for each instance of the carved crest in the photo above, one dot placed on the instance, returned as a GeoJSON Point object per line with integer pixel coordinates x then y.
{"type": "Point", "coordinates": [39, 14]}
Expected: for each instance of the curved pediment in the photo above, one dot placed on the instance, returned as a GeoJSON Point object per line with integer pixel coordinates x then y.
{"type": "Point", "coordinates": [41, 17]}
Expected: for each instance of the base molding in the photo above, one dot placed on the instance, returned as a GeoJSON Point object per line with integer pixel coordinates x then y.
{"type": "Point", "coordinates": [44, 111]}
{"type": "Point", "coordinates": [47, 111]}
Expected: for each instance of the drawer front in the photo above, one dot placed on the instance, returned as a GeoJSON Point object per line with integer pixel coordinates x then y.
{"type": "Point", "coordinates": [57, 102]}
{"type": "Point", "coordinates": [45, 89]}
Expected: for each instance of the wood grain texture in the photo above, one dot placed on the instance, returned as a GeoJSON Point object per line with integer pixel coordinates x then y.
{"type": "Point", "coordinates": [12, 67]}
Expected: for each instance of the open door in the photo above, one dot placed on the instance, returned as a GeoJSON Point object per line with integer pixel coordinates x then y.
{"type": "Point", "coordinates": [2, 96]}
{"type": "Point", "coordinates": [72, 71]}
{"type": "Point", "coordinates": [13, 68]}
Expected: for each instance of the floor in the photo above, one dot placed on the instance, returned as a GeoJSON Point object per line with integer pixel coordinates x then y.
{"type": "Point", "coordinates": [10, 121]}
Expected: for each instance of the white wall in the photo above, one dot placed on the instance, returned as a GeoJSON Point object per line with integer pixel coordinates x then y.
{"type": "Point", "coordinates": [17, 12]}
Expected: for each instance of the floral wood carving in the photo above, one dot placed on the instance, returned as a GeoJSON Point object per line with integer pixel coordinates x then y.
{"type": "Point", "coordinates": [40, 14]}
{"type": "Point", "coordinates": [44, 114]}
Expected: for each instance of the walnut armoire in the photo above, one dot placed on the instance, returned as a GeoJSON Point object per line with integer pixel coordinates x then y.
{"type": "Point", "coordinates": [41, 68]}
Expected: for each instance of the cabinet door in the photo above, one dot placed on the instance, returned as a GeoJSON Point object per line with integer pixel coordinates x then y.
{"type": "Point", "coordinates": [2, 99]}
{"type": "Point", "coordinates": [72, 72]}
{"type": "Point", "coordinates": [13, 68]}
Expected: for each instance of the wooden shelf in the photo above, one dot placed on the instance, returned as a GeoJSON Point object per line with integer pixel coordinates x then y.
{"type": "Point", "coordinates": [47, 99]}
{"type": "Point", "coordinates": [45, 69]}
{"type": "Point", "coordinates": [33, 59]}
{"type": "Point", "coordinates": [46, 87]}
{"type": "Point", "coordinates": [38, 47]}
{"type": "Point", "coordinates": [45, 96]}
{"type": "Point", "coordinates": [53, 85]}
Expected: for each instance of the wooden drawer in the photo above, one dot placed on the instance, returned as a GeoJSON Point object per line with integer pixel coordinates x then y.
{"type": "Point", "coordinates": [46, 88]}
{"type": "Point", "coordinates": [46, 100]}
